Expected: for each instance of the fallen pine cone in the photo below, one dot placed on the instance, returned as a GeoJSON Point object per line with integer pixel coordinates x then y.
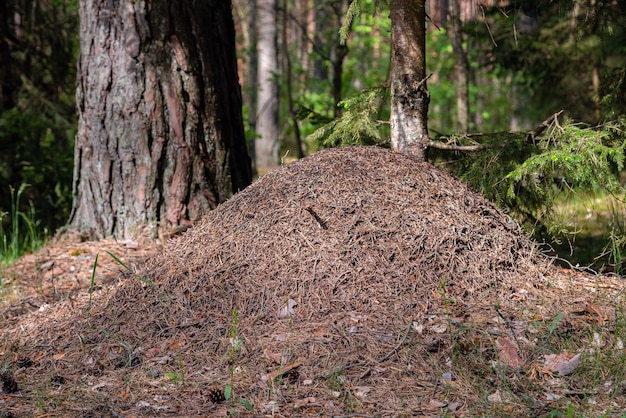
{"type": "Point", "coordinates": [216, 396]}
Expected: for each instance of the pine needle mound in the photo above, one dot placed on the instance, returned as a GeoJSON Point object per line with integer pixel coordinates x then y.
{"type": "Point", "coordinates": [348, 262]}
{"type": "Point", "coordinates": [354, 282]}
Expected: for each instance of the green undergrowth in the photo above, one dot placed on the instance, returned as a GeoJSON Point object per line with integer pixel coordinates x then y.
{"type": "Point", "coordinates": [589, 229]}
{"type": "Point", "coordinates": [20, 233]}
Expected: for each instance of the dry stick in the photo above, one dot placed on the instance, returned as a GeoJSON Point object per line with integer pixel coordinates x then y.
{"type": "Point", "coordinates": [395, 349]}
{"type": "Point", "coordinates": [619, 293]}
{"type": "Point", "coordinates": [316, 216]}
{"type": "Point", "coordinates": [441, 145]}
{"type": "Point", "coordinates": [283, 370]}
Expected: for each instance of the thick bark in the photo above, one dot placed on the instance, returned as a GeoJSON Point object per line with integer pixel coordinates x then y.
{"type": "Point", "coordinates": [409, 95]}
{"type": "Point", "coordinates": [267, 145]}
{"type": "Point", "coordinates": [160, 136]}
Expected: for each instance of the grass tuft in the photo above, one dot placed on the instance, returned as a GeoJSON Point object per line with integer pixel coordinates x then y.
{"type": "Point", "coordinates": [23, 234]}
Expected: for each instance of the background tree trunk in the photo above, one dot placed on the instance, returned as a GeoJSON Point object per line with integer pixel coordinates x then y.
{"type": "Point", "coordinates": [288, 77]}
{"type": "Point", "coordinates": [461, 67]}
{"type": "Point", "coordinates": [338, 53]}
{"type": "Point", "coordinates": [8, 80]}
{"type": "Point", "coordinates": [251, 68]}
{"type": "Point", "coordinates": [267, 146]}
{"type": "Point", "coordinates": [409, 95]}
{"type": "Point", "coordinates": [160, 135]}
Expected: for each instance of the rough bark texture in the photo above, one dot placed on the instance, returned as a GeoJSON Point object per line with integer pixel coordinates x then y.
{"type": "Point", "coordinates": [267, 146]}
{"type": "Point", "coordinates": [160, 137]}
{"type": "Point", "coordinates": [409, 95]}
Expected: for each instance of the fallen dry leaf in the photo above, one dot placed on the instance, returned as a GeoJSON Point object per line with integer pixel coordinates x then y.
{"type": "Point", "coordinates": [288, 311]}
{"type": "Point", "coordinates": [563, 364]}
{"type": "Point", "coordinates": [603, 314]}
{"type": "Point", "coordinates": [437, 404]}
{"type": "Point", "coordinates": [439, 329]}
{"type": "Point", "coordinates": [361, 391]}
{"type": "Point", "coordinates": [508, 353]}
{"type": "Point", "coordinates": [277, 358]}
{"type": "Point", "coordinates": [495, 397]}
{"type": "Point", "coordinates": [302, 402]}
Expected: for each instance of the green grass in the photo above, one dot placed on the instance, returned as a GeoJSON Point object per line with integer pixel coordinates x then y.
{"type": "Point", "coordinates": [19, 234]}
{"type": "Point", "coordinates": [23, 234]}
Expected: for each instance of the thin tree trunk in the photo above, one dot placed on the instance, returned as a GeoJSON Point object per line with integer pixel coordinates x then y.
{"type": "Point", "coordinates": [409, 95]}
{"type": "Point", "coordinates": [321, 16]}
{"type": "Point", "coordinates": [338, 54]}
{"type": "Point", "coordinates": [7, 76]}
{"type": "Point", "coordinates": [438, 12]}
{"type": "Point", "coordinates": [461, 67]}
{"type": "Point", "coordinates": [251, 81]}
{"type": "Point", "coordinates": [267, 146]}
{"type": "Point", "coordinates": [160, 134]}
{"type": "Point", "coordinates": [289, 81]}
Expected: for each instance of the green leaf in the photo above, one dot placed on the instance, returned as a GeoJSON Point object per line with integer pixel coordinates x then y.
{"type": "Point", "coordinates": [228, 392]}
{"type": "Point", "coordinates": [120, 262]}
{"type": "Point", "coordinates": [246, 404]}
{"type": "Point", "coordinates": [555, 323]}
{"type": "Point", "coordinates": [238, 344]}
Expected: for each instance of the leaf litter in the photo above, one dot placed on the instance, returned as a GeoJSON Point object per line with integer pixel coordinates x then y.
{"type": "Point", "coordinates": [354, 280]}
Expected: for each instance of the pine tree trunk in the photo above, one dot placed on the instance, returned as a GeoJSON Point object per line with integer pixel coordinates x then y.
{"type": "Point", "coordinates": [160, 135]}
{"type": "Point", "coordinates": [409, 95]}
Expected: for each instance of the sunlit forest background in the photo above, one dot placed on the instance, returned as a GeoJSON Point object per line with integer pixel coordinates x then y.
{"type": "Point", "coordinates": [534, 66]}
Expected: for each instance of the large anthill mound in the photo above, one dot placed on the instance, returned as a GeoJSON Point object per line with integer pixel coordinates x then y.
{"type": "Point", "coordinates": [350, 270]}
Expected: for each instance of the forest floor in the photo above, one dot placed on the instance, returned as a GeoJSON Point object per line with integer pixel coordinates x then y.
{"type": "Point", "coordinates": [355, 282]}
